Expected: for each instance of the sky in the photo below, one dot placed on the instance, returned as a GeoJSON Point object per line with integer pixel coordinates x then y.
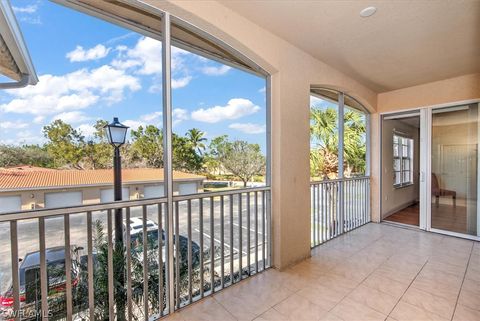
{"type": "Point", "coordinates": [90, 69]}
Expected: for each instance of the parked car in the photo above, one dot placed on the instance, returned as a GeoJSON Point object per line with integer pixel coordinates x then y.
{"type": "Point", "coordinates": [136, 233]}
{"type": "Point", "coordinates": [29, 276]}
{"type": "Point", "coordinates": [136, 239]}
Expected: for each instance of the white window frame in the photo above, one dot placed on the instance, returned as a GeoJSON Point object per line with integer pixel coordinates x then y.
{"type": "Point", "coordinates": [403, 140]}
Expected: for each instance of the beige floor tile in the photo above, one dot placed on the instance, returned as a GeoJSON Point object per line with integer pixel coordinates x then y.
{"type": "Point", "coordinates": [470, 299]}
{"type": "Point", "coordinates": [475, 259]}
{"type": "Point", "coordinates": [445, 267]}
{"type": "Point", "coordinates": [386, 285]}
{"type": "Point", "coordinates": [476, 248]}
{"type": "Point", "coordinates": [292, 279]}
{"type": "Point", "coordinates": [395, 274]}
{"type": "Point", "coordinates": [297, 307]}
{"type": "Point", "coordinates": [429, 302]}
{"type": "Point", "coordinates": [350, 310]}
{"type": "Point", "coordinates": [473, 273]}
{"type": "Point", "coordinates": [453, 279]}
{"type": "Point", "coordinates": [360, 276]}
{"type": "Point", "coordinates": [247, 300]}
{"type": "Point", "coordinates": [272, 315]}
{"type": "Point", "coordinates": [406, 267]}
{"type": "Point", "coordinates": [354, 272]}
{"type": "Point", "coordinates": [408, 312]}
{"type": "Point", "coordinates": [374, 299]}
{"type": "Point", "coordinates": [449, 257]}
{"type": "Point", "coordinates": [325, 297]}
{"type": "Point", "coordinates": [174, 317]}
{"type": "Point", "coordinates": [338, 282]}
{"type": "Point", "coordinates": [457, 244]}
{"type": "Point", "coordinates": [330, 317]}
{"type": "Point", "coordinates": [471, 286]}
{"type": "Point", "coordinates": [463, 313]}
{"type": "Point", "coordinates": [436, 288]}
{"type": "Point", "coordinates": [205, 310]}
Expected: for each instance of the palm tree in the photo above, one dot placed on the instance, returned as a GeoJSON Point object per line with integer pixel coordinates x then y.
{"type": "Point", "coordinates": [324, 141]}
{"type": "Point", "coordinates": [196, 139]}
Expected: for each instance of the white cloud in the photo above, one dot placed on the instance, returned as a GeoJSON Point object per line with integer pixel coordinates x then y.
{"type": "Point", "coordinates": [27, 9]}
{"type": "Point", "coordinates": [86, 130]}
{"type": "Point", "coordinates": [155, 116]}
{"type": "Point", "coordinates": [249, 128]}
{"type": "Point", "coordinates": [235, 108]}
{"type": "Point", "coordinates": [28, 14]}
{"type": "Point", "coordinates": [26, 136]}
{"type": "Point", "coordinates": [134, 124]}
{"type": "Point", "coordinates": [181, 82]}
{"type": "Point", "coordinates": [147, 56]}
{"type": "Point", "coordinates": [179, 115]}
{"type": "Point", "coordinates": [39, 119]}
{"type": "Point", "coordinates": [72, 117]}
{"type": "Point", "coordinates": [31, 20]}
{"type": "Point", "coordinates": [80, 54]}
{"type": "Point", "coordinates": [44, 105]}
{"type": "Point", "coordinates": [125, 64]}
{"type": "Point", "coordinates": [215, 71]}
{"type": "Point", "coordinates": [262, 90]}
{"type": "Point", "coordinates": [13, 125]}
{"type": "Point", "coordinates": [119, 38]}
{"type": "Point", "coordinates": [73, 91]}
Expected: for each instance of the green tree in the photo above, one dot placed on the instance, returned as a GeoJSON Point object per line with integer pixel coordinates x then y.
{"type": "Point", "coordinates": [324, 142]}
{"type": "Point", "coordinates": [355, 142]}
{"type": "Point", "coordinates": [33, 155]}
{"type": "Point", "coordinates": [147, 145]}
{"type": "Point", "coordinates": [185, 156]}
{"type": "Point", "coordinates": [240, 158]}
{"type": "Point", "coordinates": [98, 152]}
{"type": "Point", "coordinates": [324, 137]}
{"type": "Point", "coordinates": [65, 144]}
{"type": "Point", "coordinates": [196, 139]}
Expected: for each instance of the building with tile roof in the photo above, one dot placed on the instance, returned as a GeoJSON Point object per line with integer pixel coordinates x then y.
{"type": "Point", "coordinates": [28, 187]}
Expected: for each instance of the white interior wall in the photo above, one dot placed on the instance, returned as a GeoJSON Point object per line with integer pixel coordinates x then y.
{"type": "Point", "coordinates": [394, 199]}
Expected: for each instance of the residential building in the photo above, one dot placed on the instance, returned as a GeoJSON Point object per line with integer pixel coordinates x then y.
{"type": "Point", "coordinates": [395, 236]}
{"type": "Point", "coordinates": [27, 187]}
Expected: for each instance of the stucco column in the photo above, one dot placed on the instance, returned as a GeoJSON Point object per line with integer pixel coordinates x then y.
{"type": "Point", "coordinates": [376, 167]}
{"type": "Point", "coordinates": [290, 170]}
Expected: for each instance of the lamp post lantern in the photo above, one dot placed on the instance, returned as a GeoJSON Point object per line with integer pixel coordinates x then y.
{"type": "Point", "coordinates": [116, 134]}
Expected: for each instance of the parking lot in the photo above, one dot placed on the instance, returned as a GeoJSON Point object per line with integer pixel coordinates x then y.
{"type": "Point", "coordinates": [28, 240]}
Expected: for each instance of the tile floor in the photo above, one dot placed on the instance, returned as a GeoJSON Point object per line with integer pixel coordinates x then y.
{"type": "Point", "coordinates": [376, 272]}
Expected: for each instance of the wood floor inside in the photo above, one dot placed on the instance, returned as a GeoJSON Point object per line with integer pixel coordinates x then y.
{"type": "Point", "coordinates": [445, 217]}
{"type": "Point", "coordinates": [409, 215]}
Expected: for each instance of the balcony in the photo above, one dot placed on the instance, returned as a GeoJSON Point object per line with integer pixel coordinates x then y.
{"type": "Point", "coordinates": [218, 217]}
{"type": "Point", "coordinates": [375, 272]}
{"type": "Point", "coordinates": [68, 256]}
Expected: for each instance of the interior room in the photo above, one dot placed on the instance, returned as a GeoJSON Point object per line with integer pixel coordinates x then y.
{"type": "Point", "coordinates": [400, 163]}
{"type": "Point", "coordinates": [454, 162]}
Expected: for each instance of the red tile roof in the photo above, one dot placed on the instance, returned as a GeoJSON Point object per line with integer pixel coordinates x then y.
{"type": "Point", "coordinates": [14, 178]}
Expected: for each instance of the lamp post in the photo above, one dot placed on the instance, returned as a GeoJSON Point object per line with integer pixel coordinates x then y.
{"type": "Point", "coordinates": [116, 134]}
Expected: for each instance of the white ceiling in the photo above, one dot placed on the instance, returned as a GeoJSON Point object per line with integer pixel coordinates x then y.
{"type": "Point", "coordinates": [405, 43]}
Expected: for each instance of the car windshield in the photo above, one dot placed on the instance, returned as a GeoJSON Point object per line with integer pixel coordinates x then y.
{"type": "Point", "coordinates": [137, 239]}
{"type": "Point", "coordinates": [55, 271]}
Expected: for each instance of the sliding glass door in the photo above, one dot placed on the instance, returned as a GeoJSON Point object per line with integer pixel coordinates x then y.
{"type": "Point", "coordinates": [454, 169]}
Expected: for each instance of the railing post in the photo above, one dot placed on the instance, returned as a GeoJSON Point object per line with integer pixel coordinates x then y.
{"type": "Point", "coordinates": [340, 202]}
{"type": "Point", "coordinates": [167, 145]}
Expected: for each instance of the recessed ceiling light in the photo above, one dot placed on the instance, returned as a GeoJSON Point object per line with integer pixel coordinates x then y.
{"type": "Point", "coordinates": [367, 12]}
